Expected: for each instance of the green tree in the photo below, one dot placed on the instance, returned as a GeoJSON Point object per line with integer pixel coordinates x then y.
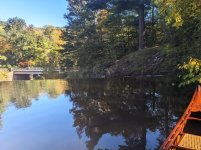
{"type": "Point", "coordinates": [136, 5]}
{"type": "Point", "coordinates": [79, 23]}
{"type": "Point", "coordinates": [102, 31]}
{"type": "Point", "coordinates": [184, 20]}
{"type": "Point", "coordinates": [15, 29]}
{"type": "Point", "coordinates": [48, 30]}
{"type": "Point", "coordinates": [23, 43]}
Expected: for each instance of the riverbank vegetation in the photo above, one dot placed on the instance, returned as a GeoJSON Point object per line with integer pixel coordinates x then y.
{"type": "Point", "coordinates": [148, 36]}
{"type": "Point", "coordinates": [110, 38]}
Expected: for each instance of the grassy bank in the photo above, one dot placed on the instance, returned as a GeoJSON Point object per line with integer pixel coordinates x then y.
{"type": "Point", "coordinates": [150, 61]}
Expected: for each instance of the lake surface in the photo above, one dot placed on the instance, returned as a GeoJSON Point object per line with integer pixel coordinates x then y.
{"type": "Point", "coordinates": [115, 114]}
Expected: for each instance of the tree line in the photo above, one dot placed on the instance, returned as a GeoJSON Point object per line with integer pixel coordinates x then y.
{"type": "Point", "coordinates": [25, 45]}
{"type": "Point", "coordinates": [101, 31]}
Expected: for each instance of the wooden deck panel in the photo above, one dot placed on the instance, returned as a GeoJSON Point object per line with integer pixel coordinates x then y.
{"type": "Point", "coordinates": [191, 141]}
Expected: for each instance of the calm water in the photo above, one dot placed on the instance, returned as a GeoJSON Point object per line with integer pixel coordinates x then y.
{"type": "Point", "coordinates": [118, 114]}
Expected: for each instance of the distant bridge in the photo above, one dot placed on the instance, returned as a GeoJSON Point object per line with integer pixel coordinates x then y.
{"type": "Point", "coordinates": [30, 72]}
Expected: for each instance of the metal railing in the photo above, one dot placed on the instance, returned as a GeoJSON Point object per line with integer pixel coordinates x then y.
{"type": "Point", "coordinates": [28, 69]}
{"type": "Point", "coordinates": [41, 69]}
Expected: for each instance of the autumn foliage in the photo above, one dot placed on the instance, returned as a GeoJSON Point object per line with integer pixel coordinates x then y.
{"type": "Point", "coordinates": [25, 64]}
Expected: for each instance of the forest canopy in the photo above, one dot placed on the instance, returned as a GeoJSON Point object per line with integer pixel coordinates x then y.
{"type": "Point", "coordinates": [100, 32]}
{"type": "Point", "coordinates": [110, 29]}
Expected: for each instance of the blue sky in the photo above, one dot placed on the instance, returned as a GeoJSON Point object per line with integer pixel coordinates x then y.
{"type": "Point", "coordinates": [36, 12]}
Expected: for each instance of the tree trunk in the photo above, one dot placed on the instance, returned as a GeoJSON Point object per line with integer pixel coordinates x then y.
{"type": "Point", "coordinates": [141, 26]}
{"type": "Point", "coordinates": [153, 15]}
{"type": "Point", "coordinates": [153, 29]}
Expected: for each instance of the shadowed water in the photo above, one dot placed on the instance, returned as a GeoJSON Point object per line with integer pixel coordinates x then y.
{"type": "Point", "coordinates": [115, 114]}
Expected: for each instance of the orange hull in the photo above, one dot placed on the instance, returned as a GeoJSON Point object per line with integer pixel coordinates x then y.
{"type": "Point", "coordinates": [179, 138]}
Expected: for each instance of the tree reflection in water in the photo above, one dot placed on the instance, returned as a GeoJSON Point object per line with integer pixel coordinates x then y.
{"type": "Point", "coordinates": [139, 111]}
{"type": "Point", "coordinates": [21, 93]}
{"type": "Point", "coordinates": [126, 107]}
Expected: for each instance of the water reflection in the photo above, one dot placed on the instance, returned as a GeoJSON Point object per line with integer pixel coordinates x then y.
{"type": "Point", "coordinates": [21, 93]}
{"type": "Point", "coordinates": [116, 114]}
{"type": "Point", "coordinates": [136, 109]}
